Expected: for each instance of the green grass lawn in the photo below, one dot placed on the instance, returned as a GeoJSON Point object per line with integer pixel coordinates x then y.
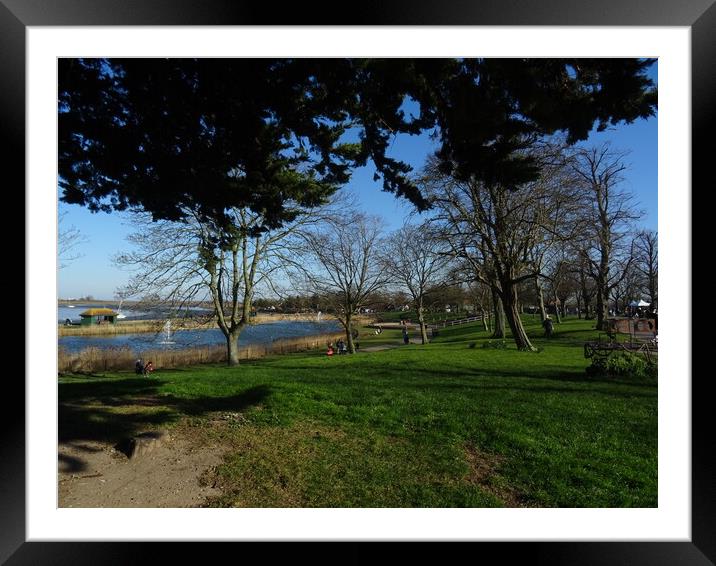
{"type": "Point", "coordinates": [449, 424]}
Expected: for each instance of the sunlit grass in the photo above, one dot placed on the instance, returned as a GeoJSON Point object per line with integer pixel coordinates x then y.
{"type": "Point", "coordinates": [446, 424]}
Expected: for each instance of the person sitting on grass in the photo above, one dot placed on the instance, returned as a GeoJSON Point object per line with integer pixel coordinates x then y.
{"type": "Point", "coordinates": [330, 350]}
{"type": "Point", "coordinates": [548, 326]}
{"type": "Point", "coordinates": [139, 367]}
{"type": "Point", "coordinates": [149, 368]}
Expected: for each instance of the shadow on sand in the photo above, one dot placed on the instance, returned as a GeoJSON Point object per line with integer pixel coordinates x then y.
{"type": "Point", "coordinates": [117, 410]}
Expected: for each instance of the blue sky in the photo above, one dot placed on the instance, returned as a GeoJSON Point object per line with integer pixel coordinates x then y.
{"type": "Point", "coordinates": [94, 273]}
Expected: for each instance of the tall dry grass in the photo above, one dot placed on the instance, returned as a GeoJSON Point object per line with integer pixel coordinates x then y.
{"type": "Point", "coordinates": [130, 327]}
{"type": "Point", "coordinates": [92, 360]}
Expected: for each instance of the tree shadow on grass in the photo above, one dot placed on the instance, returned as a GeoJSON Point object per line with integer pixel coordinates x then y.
{"type": "Point", "coordinates": [538, 389]}
{"type": "Point", "coordinates": [577, 377]}
{"type": "Point", "coordinates": [76, 390]}
{"type": "Point", "coordinates": [411, 376]}
{"type": "Point", "coordinates": [116, 410]}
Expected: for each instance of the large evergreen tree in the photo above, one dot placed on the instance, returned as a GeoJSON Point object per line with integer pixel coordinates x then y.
{"type": "Point", "coordinates": [209, 135]}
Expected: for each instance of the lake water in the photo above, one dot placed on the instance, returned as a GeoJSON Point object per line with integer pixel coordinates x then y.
{"type": "Point", "coordinates": [254, 334]}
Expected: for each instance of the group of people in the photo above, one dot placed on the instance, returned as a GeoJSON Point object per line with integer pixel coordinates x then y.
{"type": "Point", "coordinates": [340, 347]}
{"type": "Point", "coordinates": [143, 369]}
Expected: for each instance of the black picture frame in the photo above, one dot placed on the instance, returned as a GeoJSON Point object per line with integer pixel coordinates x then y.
{"type": "Point", "coordinates": [699, 15]}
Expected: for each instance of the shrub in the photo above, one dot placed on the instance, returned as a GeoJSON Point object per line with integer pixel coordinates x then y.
{"type": "Point", "coordinates": [623, 364]}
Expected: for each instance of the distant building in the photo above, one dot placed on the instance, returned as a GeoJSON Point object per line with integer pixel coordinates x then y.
{"type": "Point", "coordinates": [98, 316]}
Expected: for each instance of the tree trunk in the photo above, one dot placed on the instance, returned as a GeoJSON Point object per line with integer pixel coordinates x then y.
{"type": "Point", "coordinates": [423, 326]}
{"type": "Point", "coordinates": [588, 311]}
{"type": "Point", "coordinates": [586, 298]}
{"type": "Point", "coordinates": [350, 345]}
{"type": "Point", "coordinates": [652, 291]}
{"type": "Point", "coordinates": [603, 278]}
{"type": "Point", "coordinates": [540, 299]}
{"type": "Point", "coordinates": [499, 331]}
{"type": "Point", "coordinates": [602, 304]}
{"type": "Point", "coordinates": [558, 318]}
{"type": "Point", "coordinates": [510, 302]}
{"type": "Point", "coordinates": [232, 348]}
{"type": "Point", "coordinates": [563, 305]}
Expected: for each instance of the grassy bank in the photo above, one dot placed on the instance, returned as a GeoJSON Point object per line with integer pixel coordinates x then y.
{"type": "Point", "coordinates": [453, 423]}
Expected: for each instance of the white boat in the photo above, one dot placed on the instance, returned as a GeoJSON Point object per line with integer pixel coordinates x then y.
{"type": "Point", "coordinates": [70, 306]}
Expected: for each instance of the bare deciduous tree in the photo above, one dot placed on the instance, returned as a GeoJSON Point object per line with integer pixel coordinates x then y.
{"type": "Point", "coordinates": [481, 298]}
{"type": "Point", "coordinates": [415, 260]}
{"type": "Point", "coordinates": [608, 214]}
{"type": "Point", "coordinates": [180, 264]}
{"type": "Point", "coordinates": [341, 263]}
{"type": "Point", "coordinates": [628, 288]}
{"type": "Point", "coordinates": [68, 239]}
{"type": "Point", "coordinates": [497, 228]}
{"type": "Point", "coordinates": [646, 246]}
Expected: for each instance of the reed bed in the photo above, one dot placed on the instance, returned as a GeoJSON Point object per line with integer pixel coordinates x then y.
{"type": "Point", "coordinates": [92, 360]}
{"type": "Point", "coordinates": [130, 327]}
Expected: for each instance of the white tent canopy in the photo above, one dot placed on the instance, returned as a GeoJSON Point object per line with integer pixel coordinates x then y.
{"type": "Point", "coordinates": [639, 303]}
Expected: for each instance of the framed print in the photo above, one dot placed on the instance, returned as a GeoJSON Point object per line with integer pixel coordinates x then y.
{"type": "Point", "coordinates": [34, 35]}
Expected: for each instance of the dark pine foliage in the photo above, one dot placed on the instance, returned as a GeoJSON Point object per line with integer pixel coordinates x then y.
{"type": "Point", "coordinates": [205, 135]}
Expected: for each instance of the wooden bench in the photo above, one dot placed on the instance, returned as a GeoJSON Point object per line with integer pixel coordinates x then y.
{"type": "Point", "coordinates": [642, 334]}
{"type": "Point", "coordinates": [602, 350]}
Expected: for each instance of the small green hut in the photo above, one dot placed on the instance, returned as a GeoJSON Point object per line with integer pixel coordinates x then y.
{"type": "Point", "coordinates": [97, 316]}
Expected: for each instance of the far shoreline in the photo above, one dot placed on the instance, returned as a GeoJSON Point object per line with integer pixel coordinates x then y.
{"type": "Point", "coordinates": [156, 325]}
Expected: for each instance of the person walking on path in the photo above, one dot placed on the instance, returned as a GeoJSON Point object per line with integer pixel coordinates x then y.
{"type": "Point", "coordinates": [406, 336]}
{"type": "Point", "coordinates": [355, 335]}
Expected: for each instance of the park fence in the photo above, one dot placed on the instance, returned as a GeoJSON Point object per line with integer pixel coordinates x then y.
{"type": "Point", "coordinates": [455, 322]}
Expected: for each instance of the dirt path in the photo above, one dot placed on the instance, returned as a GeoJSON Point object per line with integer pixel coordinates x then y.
{"type": "Point", "coordinates": [94, 474]}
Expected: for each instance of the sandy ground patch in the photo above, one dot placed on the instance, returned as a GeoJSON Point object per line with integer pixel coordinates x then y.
{"type": "Point", "coordinates": [483, 469]}
{"type": "Point", "coordinates": [95, 474]}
